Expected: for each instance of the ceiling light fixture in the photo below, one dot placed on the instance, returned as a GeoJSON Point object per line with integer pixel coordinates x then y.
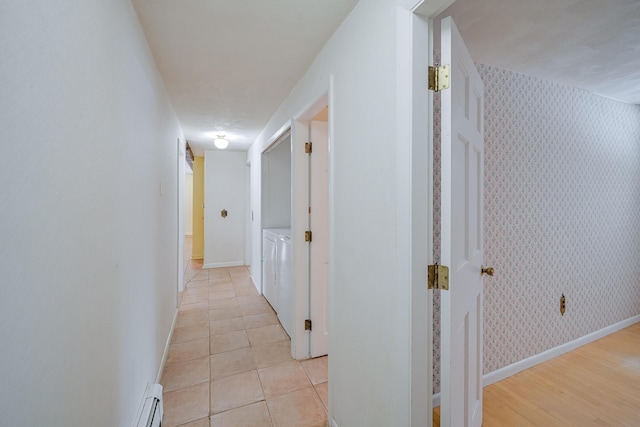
{"type": "Point", "coordinates": [220, 142]}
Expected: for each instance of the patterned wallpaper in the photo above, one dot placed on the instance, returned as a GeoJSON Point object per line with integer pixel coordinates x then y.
{"type": "Point", "coordinates": [436, 233]}
{"type": "Point", "coordinates": [562, 215]}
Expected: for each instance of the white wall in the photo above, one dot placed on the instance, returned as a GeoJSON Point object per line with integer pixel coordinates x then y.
{"type": "Point", "coordinates": [370, 290]}
{"type": "Point", "coordinates": [188, 204]}
{"type": "Point", "coordinates": [224, 188]}
{"type": "Point", "coordinates": [88, 220]}
{"type": "Point", "coordinates": [276, 186]}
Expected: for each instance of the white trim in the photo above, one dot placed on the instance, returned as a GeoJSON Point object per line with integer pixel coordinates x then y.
{"type": "Point", "coordinates": [279, 134]}
{"type": "Point", "coordinates": [180, 213]}
{"type": "Point", "coordinates": [410, 5]}
{"type": "Point", "coordinates": [436, 400]}
{"type": "Point", "coordinates": [414, 178]}
{"type": "Point", "coordinates": [166, 348]}
{"type": "Point", "coordinates": [312, 109]}
{"type": "Point", "coordinates": [224, 264]}
{"type": "Point", "coordinates": [300, 252]}
{"type": "Point", "coordinates": [514, 368]}
{"type": "Point", "coordinates": [253, 281]}
{"type": "Point", "coordinates": [300, 296]}
{"type": "Point", "coordinates": [428, 8]}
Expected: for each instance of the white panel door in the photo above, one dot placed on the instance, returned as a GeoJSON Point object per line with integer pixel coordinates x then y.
{"type": "Point", "coordinates": [319, 253]}
{"type": "Point", "coordinates": [462, 234]}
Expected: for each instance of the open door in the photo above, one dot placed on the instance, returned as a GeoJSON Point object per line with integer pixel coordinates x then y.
{"type": "Point", "coordinates": [319, 252]}
{"type": "Point", "coordinates": [462, 234]}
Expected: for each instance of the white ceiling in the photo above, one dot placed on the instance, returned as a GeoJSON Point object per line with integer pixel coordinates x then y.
{"type": "Point", "coordinates": [590, 44]}
{"type": "Point", "coordinates": [229, 64]}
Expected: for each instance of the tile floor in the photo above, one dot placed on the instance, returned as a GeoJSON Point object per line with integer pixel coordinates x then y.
{"type": "Point", "coordinates": [229, 362]}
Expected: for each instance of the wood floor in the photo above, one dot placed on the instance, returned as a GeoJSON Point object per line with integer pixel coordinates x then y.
{"type": "Point", "coordinates": [595, 385]}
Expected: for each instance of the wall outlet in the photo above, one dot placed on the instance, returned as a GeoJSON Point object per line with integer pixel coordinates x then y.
{"type": "Point", "coordinates": [563, 304]}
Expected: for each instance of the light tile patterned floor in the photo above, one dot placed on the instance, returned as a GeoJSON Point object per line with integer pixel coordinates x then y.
{"type": "Point", "coordinates": [229, 362]}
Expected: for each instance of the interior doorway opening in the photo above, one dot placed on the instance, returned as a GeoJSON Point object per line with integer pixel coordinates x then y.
{"type": "Point", "coordinates": [276, 228]}
{"type": "Point", "coordinates": [310, 228]}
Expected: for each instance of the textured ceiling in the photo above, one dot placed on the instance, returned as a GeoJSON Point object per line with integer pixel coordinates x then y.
{"type": "Point", "coordinates": [229, 64]}
{"type": "Point", "coordinates": [590, 44]}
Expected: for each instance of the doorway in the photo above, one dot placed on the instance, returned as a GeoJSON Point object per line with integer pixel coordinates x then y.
{"type": "Point", "coordinates": [310, 228]}
{"type": "Point", "coordinates": [276, 228]}
{"type": "Point", "coordinates": [460, 130]}
{"type": "Point", "coordinates": [319, 226]}
{"type": "Point", "coordinates": [188, 215]}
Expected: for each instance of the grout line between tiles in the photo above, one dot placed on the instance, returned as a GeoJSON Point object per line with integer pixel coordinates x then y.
{"type": "Point", "coordinates": [319, 398]}
{"type": "Point", "coordinates": [262, 388]}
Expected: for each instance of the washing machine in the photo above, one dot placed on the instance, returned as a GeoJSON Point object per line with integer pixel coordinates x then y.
{"type": "Point", "coordinates": [283, 279]}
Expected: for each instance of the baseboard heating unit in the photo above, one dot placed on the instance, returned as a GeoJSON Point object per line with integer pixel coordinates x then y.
{"type": "Point", "coordinates": [151, 415]}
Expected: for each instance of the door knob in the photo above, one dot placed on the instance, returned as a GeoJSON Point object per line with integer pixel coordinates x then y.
{"type": "Point", "coordinates": [487, 270]}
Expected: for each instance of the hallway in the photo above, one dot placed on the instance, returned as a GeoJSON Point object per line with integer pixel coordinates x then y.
{"type": "Point", "coordinates": [229, 362]}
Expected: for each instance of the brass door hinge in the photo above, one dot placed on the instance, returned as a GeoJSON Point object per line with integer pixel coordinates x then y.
{"type": "Point", "coordinates": [439, 277]}
{"type": "Point", "coordinates": [307, 325]}
{"type": "Point", "coordinates": [308, 236]}
{"type": "Point", "coordinates": [439, 78]}
{"type": "Point", "coordinates": [308, 147]}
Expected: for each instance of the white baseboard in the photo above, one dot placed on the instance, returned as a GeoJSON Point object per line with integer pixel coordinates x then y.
{"type": "Point", "coordinates": [166, 348]}
{"type": "Point", "coordinates": [254, 284]}
{"type": "Point", "coordinates": [514, 368]}
{"type": "Point", "coordinates": [436, 400]}
{"type": "Point", "coordinates": [223, 264]}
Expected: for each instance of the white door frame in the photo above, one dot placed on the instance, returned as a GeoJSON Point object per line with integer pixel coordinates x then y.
{"type": "Point", "coordinates": [248, 242]}
{"type": "Point", "coordinates": [415, 124]}
{"type": "Point", "coordinates": [300, 339]}
{"type": "Point", "coordinates": [181, 151]}
{"type": "Point", "coordinates": [417, 152]}
{"type": "Point", "coordinates": [319, 248]}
